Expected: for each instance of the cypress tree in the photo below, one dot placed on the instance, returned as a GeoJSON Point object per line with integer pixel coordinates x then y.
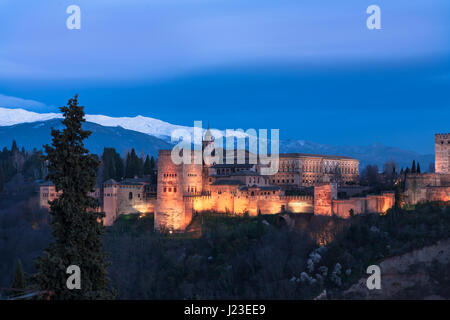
{"type": "Point", "coordinates": [109, 168]}
{"type": "Point", "coordinates": [147, 166]}
{"type": "Point", "coordinates": [152, 163]}
{"type": "Point", "coordinates": [14, 147]}
{"type": "Point", "coordinates": [77, 229]}
{"type": "Point", "coordinates": [128, 167]}
{"type": "Point", "coordinates": [418, 167]}
{"type": "Point", "coordinates": [19, 279]}
{"type": "Point", "coordinates": [119, 167]}
{"type": "Point", "coordinates": [413, 169]}
{"type": "Point", "coordinates": [1, 179]}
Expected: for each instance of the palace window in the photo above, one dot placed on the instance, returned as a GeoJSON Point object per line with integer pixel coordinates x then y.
{"type": "Point", "coordinates": [130, 196]}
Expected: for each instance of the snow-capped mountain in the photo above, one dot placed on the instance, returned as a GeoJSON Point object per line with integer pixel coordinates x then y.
{"type": "Point", "coordinates": [9, 117]}
{"type": "Point", "coordinates": [150, 126]}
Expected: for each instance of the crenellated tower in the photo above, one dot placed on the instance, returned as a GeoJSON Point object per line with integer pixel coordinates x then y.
{"type": "Point", "coordinates": [170, 212]}
{"type": "Point", "coordinates": [442, 153]}
{"type": "Point", "coordinates": [207, 142]}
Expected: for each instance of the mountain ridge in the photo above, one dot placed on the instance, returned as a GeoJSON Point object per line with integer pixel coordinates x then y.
{"type": "Point", "coordinates": [144, 130]}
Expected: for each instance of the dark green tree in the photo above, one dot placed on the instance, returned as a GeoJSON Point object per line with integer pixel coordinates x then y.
{"type": "Point", "coordinates": [19, 282]}
{"type": "Point", "coordinates": [134, 165]}
{"type": "Point", "coordinates": [413, 169]}
{"type": "Point", "coordinates": [418, 167]}
{"type": "Point", "coordinates": [129, 170]}
{"type": "Point", "coordinates": [14, 147]}
{"type": "Point", "coordinates": [112, 164]}
{"type": "Point", "coordinates": [77, 229]}
{"type": "Point", "coordinates": [1, 179]}
{"type": "Point", "coordinates": [119, 167]}
{"type": "Point", "coordinates": [148, 170]}
{"type": "Point", "coordinates": [109, 166]}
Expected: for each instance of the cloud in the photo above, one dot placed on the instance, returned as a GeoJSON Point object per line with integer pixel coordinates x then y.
{"type": "Point", "coordinates": [130, 39]}
{"type": "Point", "coordinates": [14, 102]}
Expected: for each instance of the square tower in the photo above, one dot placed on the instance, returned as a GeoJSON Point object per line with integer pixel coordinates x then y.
{"type": "Point", "coordinates": [442, 153]}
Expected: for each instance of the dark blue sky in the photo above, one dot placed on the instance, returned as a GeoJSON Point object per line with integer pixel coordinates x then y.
{"type": "Point", "coordinates": [313, 71]}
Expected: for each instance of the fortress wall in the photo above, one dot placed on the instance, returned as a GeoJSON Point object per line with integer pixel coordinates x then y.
{"type": "Point", "coordinates": [415, 185]}
{"type": "Point", "coordinates": [202, 203]}
{"type": "Point", "coordinates": [230, 202]}
{"type": "Point", "coordinates": [426, 187]}
{"type": "Point", "coordinates": [241, 204]}
{"type": "Point", "coordinates": [342, 208]}
{"type": "Point", "coordinates": [370, 204]}
{"type": "Point", "coordinates": [300, 205]}
{"type": "Point", "coordinates": [224, 202]}
{"type": "Point", "coordinates": [438, 193]}
{"type": "Point", "coordinates": [131, 199]}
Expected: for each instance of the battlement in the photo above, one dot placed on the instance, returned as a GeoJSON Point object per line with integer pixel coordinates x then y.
{"type": "Point", "coordinates": [440, 136]}
{"type": "Point", "coordinates": [305, 198]}
{"type": "Point", "coordinates": [165, 152]}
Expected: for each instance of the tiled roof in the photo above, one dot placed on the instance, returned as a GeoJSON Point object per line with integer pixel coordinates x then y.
{"type": "Point", "coordinates": [110, 181]}
{"type": "Point", "coordinates": [47, 183]}
{"type": "Point", "coordinates": [306, 155]}
{"type": "Point", "coordinates": [232, 165]}
{"type": "Point", "coordinates": [227, 182]}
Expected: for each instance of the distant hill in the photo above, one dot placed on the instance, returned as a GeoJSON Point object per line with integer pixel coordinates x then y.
{"type": "Point", "coordinates": [36, 134]}
{"type": "Point", "coordinates": [374, 154]}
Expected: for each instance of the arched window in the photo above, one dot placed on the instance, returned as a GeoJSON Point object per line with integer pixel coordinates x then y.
{"type": "Point", "coordinates": [130, 195]}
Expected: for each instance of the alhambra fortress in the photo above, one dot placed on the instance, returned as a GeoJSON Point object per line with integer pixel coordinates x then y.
{"type": "Point", "coordinates": [182, 190]}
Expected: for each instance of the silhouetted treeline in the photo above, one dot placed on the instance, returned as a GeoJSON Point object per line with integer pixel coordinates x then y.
{"type": "Point", "coordinates": [24, 233]}
{"type": "Point", "coordinates": [114, 167]}
{"type": "Point", "coordinates": [29, 164]}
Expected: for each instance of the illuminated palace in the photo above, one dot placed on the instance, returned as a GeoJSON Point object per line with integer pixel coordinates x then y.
{"type": "Point", "coordinates": [304, 183]}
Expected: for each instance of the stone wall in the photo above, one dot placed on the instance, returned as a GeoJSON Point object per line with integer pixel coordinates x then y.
{"type": "Point", "coordinates": [369, 204]}
{"type": "Point", "coordinates": [426, 187]}
{"type": "Point", "coordinates": [230, 200]}
{"type": "Point", "coordinates": [438, 193]}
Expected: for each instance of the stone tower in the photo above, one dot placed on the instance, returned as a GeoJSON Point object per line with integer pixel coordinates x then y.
{"type": "Point", "coordinates": [442, 153]}
{"type": "Point", "coordinates": [170, 212]}
{"type": "Point", "coordinates": [207, 142]}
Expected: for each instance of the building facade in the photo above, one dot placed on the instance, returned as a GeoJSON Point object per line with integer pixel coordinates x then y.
{"type": "Point", "coordinates": [181, 190]}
